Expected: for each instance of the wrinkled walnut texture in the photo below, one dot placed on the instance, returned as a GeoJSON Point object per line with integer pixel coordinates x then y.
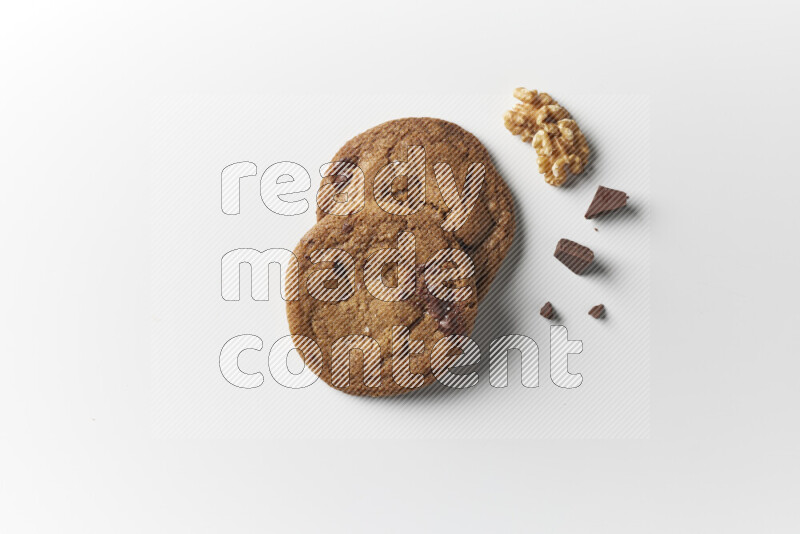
{"type": "Point", "coordinates": [559, 143]}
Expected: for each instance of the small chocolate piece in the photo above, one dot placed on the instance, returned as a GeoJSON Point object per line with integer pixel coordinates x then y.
{"type": "Point", "coordinates": [575, 256]}
{"type": "Point", "coordinates": [547, 311]}
{"type": "Point", "coordinates": [606, 200]}
{"type": "Point", "coordinates": [597, 311]}
{"type": "Point", "coordinates": [347, 227]}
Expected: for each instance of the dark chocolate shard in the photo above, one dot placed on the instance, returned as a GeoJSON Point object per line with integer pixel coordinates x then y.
{"type": "Point", "coordinates": [606, 200]}
{"type": "Point", "coordinates": [575, 256]}
{"type": "Point", "coordinates": [597, 311]}
{"type": "Point", "coordinates": [547, 311]}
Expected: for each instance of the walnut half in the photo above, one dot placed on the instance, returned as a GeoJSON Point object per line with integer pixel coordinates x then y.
{"type": "Point", "coordinates": [559, 143]}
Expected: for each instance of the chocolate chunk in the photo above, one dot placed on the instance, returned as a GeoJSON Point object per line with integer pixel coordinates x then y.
{"type": "Point", "coordinates": [437, 308]}
{"type": "Point", "coordinates": [606, 200]}
{"type": "Point", "coordinates": [448, 315]}
{"type": "Point", "coordinates": [451, 324]}
{"type": "Point", "coordinates": [575, 256]}
{"type": "Point", "coordinates": [547, 311]}
{"type": "Point", "coordinates": [597, 311]}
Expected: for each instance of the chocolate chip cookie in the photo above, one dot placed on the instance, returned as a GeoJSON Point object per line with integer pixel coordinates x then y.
{"type": "Point", "coordinates": [372, 286]}
{"type": "Point", "coordinates": [486, 233]}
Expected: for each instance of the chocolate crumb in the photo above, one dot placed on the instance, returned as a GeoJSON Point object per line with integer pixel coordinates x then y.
{"type": "Point", "coordinates": [597, 311]}
{"type": "Point", "coordinates": [575, 256]}
{"type": "Point", "coordinates": [605, 200]}
{"type": "Point", "coordinates": [347, 227]}
{"type": "Point", "coordinates": [547, 311]}
{"type": "Point", "coordinates": [596, 230]}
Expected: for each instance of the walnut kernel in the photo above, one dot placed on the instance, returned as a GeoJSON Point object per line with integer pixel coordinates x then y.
{"type": "Point", "coordinates": [559, 143]}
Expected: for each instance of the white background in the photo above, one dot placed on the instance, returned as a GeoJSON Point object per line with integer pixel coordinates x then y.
{"type": "Point", "coordinates": [78, 84]}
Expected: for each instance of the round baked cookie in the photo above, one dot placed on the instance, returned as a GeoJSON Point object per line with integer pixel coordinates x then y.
{"type": "Point", "coordinates": [337, 308]}
{"type": "Point", "coordinates": [487, 233]}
